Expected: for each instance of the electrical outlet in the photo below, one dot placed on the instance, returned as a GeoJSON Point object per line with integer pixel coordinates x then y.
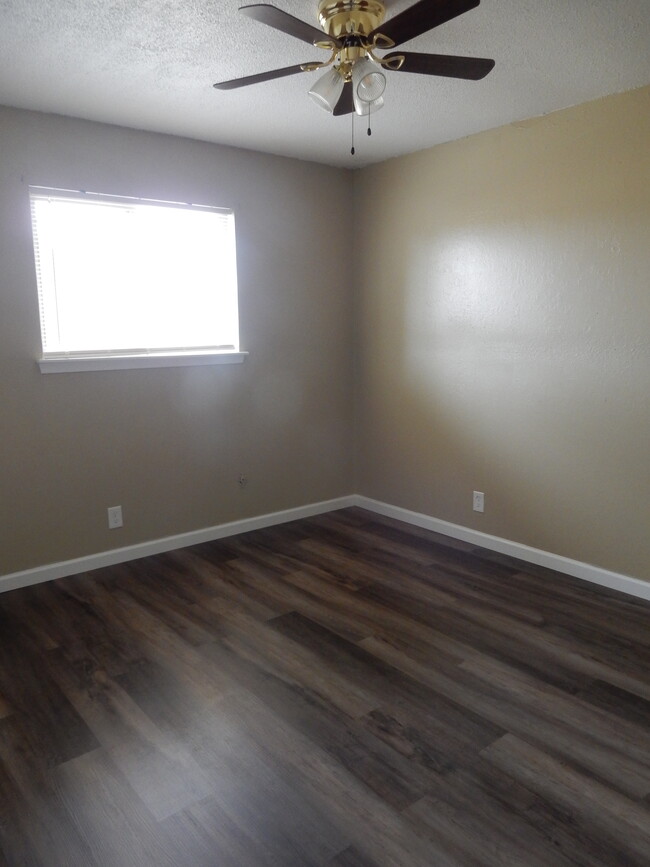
{"type": "Point", "coordinates": [115, 517]}
{"type": "Point", "coordinates": [478, 502]}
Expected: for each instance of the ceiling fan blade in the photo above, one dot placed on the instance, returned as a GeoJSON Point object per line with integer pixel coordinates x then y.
{"type": "Point", "coordinates": [449, 66]}
{"type": "Point", "coordinates": [256, 79]}
{"type": "Point", "coordinates": [345, 105]}
{"type": "Point", "coordinates": [421, 17]}
{"type": "Point", "coordinates": [286, 23]}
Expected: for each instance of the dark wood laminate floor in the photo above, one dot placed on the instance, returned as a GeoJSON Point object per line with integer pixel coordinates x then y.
{"type": "Point", "coordinates": [344, 690]}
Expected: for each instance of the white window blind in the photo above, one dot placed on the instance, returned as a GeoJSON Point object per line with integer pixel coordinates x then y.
{"type": "Point", "coordinates": [121, 276]}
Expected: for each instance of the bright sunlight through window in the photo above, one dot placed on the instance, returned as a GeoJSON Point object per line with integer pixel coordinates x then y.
{"type": "Point", "coordinates": [129, 277]}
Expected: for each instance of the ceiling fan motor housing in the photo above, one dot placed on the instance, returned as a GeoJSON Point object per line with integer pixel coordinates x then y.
{"type": "Point", "coordinates": [341, 18]}
{"type": "Point", "coordinates": [350, 21]}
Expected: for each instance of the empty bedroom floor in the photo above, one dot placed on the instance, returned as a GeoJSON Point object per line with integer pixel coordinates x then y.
{"type": "Point", "coordinates": [343, 690]}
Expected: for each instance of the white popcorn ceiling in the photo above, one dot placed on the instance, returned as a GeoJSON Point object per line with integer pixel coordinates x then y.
{"type": "Point", "coordinates": [151, 64]}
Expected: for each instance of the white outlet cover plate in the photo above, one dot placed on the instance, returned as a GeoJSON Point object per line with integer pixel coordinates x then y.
{"type": "Point", "coordinates": [115, 517]}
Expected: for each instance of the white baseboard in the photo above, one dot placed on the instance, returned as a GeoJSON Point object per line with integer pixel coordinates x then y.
{"type": "Point", "coordinates": [594, 574]}
{"type": "Point", "coordinates": [168, 543]}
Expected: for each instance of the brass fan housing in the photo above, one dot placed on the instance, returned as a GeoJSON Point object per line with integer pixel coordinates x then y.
{"type": "Point", "coordinates": [340, 18]}
{"type": "Point", "coordinates": [351, 22]}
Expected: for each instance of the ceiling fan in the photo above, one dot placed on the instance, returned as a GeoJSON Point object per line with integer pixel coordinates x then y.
{"type": "Point", "coordinates": [353, 31]}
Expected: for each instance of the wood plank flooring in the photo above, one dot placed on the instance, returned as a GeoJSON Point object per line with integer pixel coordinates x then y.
{"type": "Point", "coordinates": [343, 690]}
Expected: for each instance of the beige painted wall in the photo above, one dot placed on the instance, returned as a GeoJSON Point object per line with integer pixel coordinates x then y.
{"type": "Point", "coordinates": [504, 332]}
{"type": "Point", "coordinates": [168, 444]}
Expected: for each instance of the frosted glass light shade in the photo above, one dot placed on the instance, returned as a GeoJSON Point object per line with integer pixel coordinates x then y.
{"type": "Point", "coordinates": [327, 90]}
{"type": "Point", "coordinates": [365, 108]}
{"type": "Point", "coordinates": [368, 85]}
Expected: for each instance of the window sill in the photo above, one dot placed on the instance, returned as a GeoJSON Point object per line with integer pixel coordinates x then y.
{"type": "Point", "coordinates": [78, 363]}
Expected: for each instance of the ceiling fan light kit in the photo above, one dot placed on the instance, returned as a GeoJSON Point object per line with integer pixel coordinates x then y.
{"type": "Point", "coordinates": [353, 31]}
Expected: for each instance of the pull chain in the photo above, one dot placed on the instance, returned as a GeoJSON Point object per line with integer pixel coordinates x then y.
{"type": "Point", "coordinates": [352, 148]}
{"type": "Point", "coordinates": [369, 130]}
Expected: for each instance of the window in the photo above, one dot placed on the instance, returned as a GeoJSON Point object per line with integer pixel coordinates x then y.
{"type": "Point", "coordinates": [132, 282]}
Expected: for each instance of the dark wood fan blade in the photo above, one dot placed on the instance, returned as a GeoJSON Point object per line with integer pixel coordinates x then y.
{"type": "Point", "coordinates": [421, 17]}
{"type": "Point", "coordinates": [345, 105]}
{"type": "Point", "coordinates": [256, 79]}
{"type": "Point", "coordinates": [449, 66]}
{"type": "Point", "coordinates": [280, 20]}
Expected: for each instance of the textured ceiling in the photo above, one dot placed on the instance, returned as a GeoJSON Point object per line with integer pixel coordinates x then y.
{"type": "Point", "coordinates": [150, 64]}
